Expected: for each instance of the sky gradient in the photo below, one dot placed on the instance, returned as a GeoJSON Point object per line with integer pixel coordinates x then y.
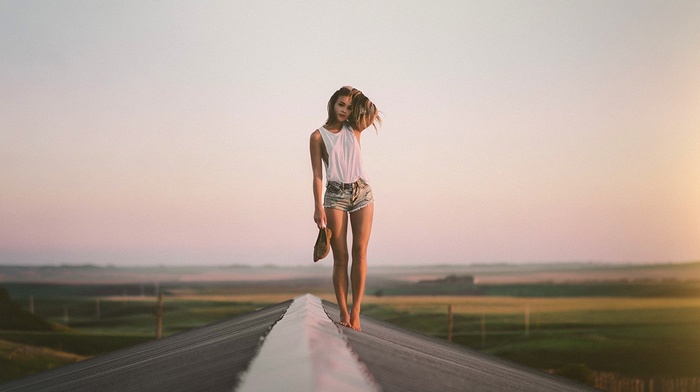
{"type": "Point", "coordinates": [177, 132]}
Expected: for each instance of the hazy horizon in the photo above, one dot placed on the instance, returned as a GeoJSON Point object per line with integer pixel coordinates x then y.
{"type": "Point", "coordinates": [514, 132]}
{"type": "Point", "coordinates": [88, 259]}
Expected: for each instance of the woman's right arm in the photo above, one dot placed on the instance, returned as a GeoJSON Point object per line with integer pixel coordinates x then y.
{"type": "Point", "coordinates": [316, 149]}
{"type": "Point", "coordinates": [364, 113]}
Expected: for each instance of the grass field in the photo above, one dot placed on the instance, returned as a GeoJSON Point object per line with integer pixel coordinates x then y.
{"type": "Point", "coordinates": [17, 360]}
{"type": "Point", "coordinates": [120, 322]}
{"type": "Point", "coordinates": [634, 337]}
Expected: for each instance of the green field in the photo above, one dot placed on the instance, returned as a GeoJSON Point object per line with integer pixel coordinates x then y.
{"type": "Point", "coordinates": [638, 338]}
{"type": "Point", "coordinates": [86, 332]}
{"type": "Point", "coordinates": [18, 360]}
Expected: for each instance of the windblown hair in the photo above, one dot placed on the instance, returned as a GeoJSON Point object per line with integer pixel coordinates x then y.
{"type": "Point", "coordinates": [364, 112]}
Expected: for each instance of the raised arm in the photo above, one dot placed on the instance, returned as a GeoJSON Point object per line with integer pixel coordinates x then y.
{"type": "Point", "coordinates": [364, 112]}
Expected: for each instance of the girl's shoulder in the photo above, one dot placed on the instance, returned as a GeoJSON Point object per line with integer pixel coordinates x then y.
{"type": "Point", "coordinates": [316, 136]}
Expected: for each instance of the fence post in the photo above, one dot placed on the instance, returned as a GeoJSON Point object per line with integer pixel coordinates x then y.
{"type": "Point", "coordinates": [450, 318]}
{"type": "Point", "coordinates": [159, 317]}
{"type": "Point", "coordinates": [527, 320]}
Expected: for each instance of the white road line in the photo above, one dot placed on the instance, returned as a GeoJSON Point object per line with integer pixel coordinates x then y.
{"type": "Point", "coordinates": [305, 352]}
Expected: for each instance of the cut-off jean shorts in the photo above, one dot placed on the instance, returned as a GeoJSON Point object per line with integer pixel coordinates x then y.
{"type": "Point", "coordinates": [348, 197]}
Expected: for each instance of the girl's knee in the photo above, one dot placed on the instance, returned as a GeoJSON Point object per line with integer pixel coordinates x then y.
{"type": "Point", "coordinates": [359, 252]}
{"type": "Point", "coordinates": [359, 260]}
{"type": "Point", "coordinates": [341, 261]}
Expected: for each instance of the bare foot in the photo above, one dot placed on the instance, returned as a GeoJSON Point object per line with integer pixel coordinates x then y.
{"type": "Point", "coordinates": [344, 320]}
{"type": "Point", "coordinates": [355, 323]}
{"type": "Point", "coordinates": [344, 324]}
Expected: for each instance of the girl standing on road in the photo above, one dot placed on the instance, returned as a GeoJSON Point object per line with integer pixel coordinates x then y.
{"type": "Point", "coordinates": [348, 196]}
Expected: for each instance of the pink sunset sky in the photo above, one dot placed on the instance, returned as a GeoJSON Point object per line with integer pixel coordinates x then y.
{"type": "Point", "coordinates": [177, 133]}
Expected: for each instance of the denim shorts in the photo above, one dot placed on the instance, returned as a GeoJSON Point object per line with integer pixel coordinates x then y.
{"type": "Point", "coordinates": [348, 197]}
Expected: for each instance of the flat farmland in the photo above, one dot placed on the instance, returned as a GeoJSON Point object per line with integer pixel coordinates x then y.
{"type": "Point", "coordinates": [635, 337]}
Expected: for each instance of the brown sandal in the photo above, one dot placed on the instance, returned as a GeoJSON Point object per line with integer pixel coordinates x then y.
{"type": "Point", "coordinates": [323, 244]}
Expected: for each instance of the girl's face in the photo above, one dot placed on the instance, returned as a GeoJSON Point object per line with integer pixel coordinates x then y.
{"type": "Point", "coordinates": [342, 108]}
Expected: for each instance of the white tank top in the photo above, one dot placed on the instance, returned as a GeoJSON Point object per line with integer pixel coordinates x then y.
{"type": "Point", "coordinates": [344, 156]}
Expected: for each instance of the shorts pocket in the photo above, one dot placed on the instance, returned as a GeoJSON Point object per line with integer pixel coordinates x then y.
{"type": "Point", "coordinates": [333, 189]}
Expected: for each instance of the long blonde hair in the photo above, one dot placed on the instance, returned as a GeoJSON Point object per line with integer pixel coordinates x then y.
{"type": "Point", "coordinates": [364, 112]}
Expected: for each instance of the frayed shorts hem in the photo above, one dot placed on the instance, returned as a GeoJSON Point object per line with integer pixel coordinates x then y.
{"type": "Point", "coordinates": [361, 207]}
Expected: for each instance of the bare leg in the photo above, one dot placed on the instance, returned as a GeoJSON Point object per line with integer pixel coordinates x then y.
{"type": "Point", "coordinates": [338, 223]}
{"type": "Point", "coordinates": [361, 221]}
